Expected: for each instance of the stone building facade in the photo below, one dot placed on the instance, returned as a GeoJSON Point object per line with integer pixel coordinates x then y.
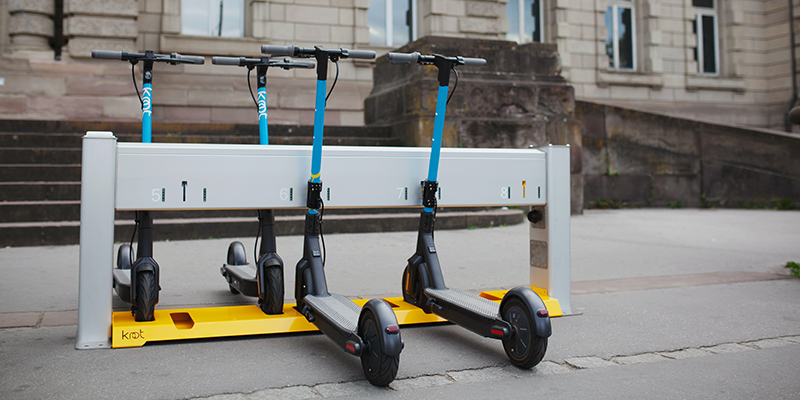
{"type": "Point", "coordinates": [713, 60]}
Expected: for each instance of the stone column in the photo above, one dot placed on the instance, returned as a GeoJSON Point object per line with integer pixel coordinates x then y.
{"type": "Point", "coordinates": [101, 25]}
{"type": "Point", "coordinates": [30, 24]}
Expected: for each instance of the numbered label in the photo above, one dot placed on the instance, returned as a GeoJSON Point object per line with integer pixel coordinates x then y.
{"type": "Point", "coordinates": [159, 194]}
{"type": "Point", "coordinates": [402, 193]}
{"type": "Point", "coordinates": [505, 192]}
{"type": "Point", "coordinates": [287, 194]}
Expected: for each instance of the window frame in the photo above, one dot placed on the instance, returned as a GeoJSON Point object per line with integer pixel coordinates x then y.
{"type": "Point", "coordinates": [246, 23]}
{"type": "Point", "coordinates": [615, 6]}
{"type": "Point", "coordinates": [698, 21]}
{"type": "Point", "coordinates": [520, 14]}
{"type": "Point", "coordinates": [389, 23]}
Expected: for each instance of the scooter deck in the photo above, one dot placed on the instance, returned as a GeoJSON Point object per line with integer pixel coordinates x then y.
{"type": "Point", "coordinates": [208, 322]}
{"type": "Point", "coordinates": [243, 278]}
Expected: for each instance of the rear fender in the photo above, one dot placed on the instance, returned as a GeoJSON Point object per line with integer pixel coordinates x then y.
{"type": "Point", "coordinates": [391, 342]}
{"type": "Point", "coordinates": [541, 324]}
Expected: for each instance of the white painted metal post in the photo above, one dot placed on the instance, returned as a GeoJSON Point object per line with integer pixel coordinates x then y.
{"type": "Point", "coordinates": [98, 181]}
{"type": "Point", "coordinates": [550, 239]}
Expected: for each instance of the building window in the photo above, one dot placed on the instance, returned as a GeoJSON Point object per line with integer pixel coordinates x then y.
{"type": "Point", "coordinates": [391, 22]}
{"type": "Point", "coordinates": [706, 53]}
{"type": "Point", "coordinates": [621, 42]}
{"type": "Point", "coordinates": [525, 23]}
{"type": "Point", "coordinates": [223, 18]}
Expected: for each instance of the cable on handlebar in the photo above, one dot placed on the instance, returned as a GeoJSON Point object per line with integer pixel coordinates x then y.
{"type": "Point", "coordinates": [336, 78]}
{"type": "Point", "coordinates": [455, 85]}
{"type": "Point", "coordinates": [135, 86]}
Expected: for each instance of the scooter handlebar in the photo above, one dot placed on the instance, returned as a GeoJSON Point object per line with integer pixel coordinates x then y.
{"type": "Point", "coordinates": [403, 57]}
{"type": "Point", "coordinates": [474, 61]}
{"type": "Point", "coordinates": [192, 59]}
{"type": "Point", "coordinates": [108, 55]}
{"type": "Point", "coordinates": [226, 61]}
{"type": "Point", "coordinates": [278, 50]}
{"type": "Point", "coordinates": [363, 54]}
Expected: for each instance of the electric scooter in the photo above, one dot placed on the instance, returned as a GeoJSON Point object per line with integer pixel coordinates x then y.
{"type": "Point", "coordinates": [264, 279]}
{"type": "Point", "coordinates": [371, 332]}
{"type": "Point", "coordinates": [521, 320]}
{"type": "Point", "coordinates": [138, 282]}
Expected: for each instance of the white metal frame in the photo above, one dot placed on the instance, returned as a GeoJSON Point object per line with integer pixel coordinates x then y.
{"type": "Point", "coordinates": [163, 176]}
{"type": "Point", "coordinates": [615, 6]}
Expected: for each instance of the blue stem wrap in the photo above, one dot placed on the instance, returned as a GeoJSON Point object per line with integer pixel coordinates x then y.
{"type": "Point", "coordinates": [436, 141]}
{"type": "Point", "coordinates": [147, 113]}
{"type": "Point", "coordinates": [319, 125]}
{"type": "Point", "coordinates": [263, 134]}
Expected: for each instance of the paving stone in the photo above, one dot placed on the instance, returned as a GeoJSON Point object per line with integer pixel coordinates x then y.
{"type": "Point", "coordinates": [639, 359]}
{"type": "Point", "coordinates": [684, 354]}
{"type": "Point", "coordinates": [420, 382]}
{"type": "Point", "coordinates": [588, 362]}
{"type": "Point", "coordinates": [544, 368]}
{"type": "Point", "coordinates": [19, 320]}
{"type": "Point", "coordinates": [289, 393]}
{"type": "Point", "coordinates": [727, 348]}
{"type": "Point", "coordinates": [232, 396]}
{"type": "Point", "coordinates": [60, 318]}
{"type": "Point", "coordinates": [481, 375]}
{"type": "Point", "coordinates": [346, 389]}
{"type": "Point", "coordinates": [795, 339]}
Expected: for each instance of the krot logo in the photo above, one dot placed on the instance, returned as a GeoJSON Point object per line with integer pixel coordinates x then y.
{"type": "Point", "coordinates": [133, 335]}
{"type": "Point", "coordinates": [262, 103]}
{"type": "Point", "coordinates": [147, 94]}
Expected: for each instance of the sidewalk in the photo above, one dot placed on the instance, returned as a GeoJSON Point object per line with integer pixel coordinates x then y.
{"type": "Point", "coordinates": [652, 285]}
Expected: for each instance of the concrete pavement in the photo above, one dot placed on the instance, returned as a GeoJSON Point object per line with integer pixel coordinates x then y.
{"type": "Point", "coordinates": [675, 303]}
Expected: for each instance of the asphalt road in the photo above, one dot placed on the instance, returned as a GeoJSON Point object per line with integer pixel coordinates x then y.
{"type": "Point", "coordinates": [674, 304]}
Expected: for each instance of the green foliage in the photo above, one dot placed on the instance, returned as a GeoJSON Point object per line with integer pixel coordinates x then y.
{"type": "Point", "coordinates": [605, 204]}
{"type": "Point", "coordinates": [652, 193]}
{"type": "Point", "coordinates": [784, 203]}
{"type": "Point", "coordinates": [794, 268]}
{"type": "Point", "coordinates": [677, 204]}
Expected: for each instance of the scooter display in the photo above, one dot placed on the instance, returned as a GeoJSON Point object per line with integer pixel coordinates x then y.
{"type": "Point", "coordinates": [521, 320]}
{"type": "Point", "coordinates": [372, 332]}
{"type": "Point", "coordinates": [137, 282]}
{"type": "Point", "coordinates": [264, 279]}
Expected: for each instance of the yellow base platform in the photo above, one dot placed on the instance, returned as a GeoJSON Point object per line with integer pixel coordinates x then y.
{"type": "Point", "coordinates": [197, 323]}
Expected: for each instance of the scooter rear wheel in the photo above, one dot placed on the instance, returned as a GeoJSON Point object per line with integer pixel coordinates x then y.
{"type": "Point", "coordinates": [524, 348]}
{"type": "Point", "coordinates": [124, 256]}
{"type": "Point", "coordinates": [273, 304]}
{"type": "Point", "coordinates": [146, 293]}
{"type": "Point", "coordinates": [236, 256]}
{"type": "Point", "coordinates": [379, 368]}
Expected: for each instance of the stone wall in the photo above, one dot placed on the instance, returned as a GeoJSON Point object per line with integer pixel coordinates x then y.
{"type": "Point", "coordinates": [640, 159]}
{"type": "Point", "coordinates": [517, 100]}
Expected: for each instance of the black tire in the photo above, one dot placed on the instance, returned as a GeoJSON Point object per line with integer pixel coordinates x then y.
{"type": "Point", "coordinates": [273, 304]}
{"type": "Point", "coordinates": [146, 294]}
{"type": "Point", "coordinates": [124, 256]}
{"type": "Point", "coordinates": [524, 348]}
{"type": "Point", "coordinates": [379, 368]}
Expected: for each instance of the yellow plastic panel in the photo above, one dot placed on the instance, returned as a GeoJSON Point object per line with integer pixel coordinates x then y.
{"type": "Point", "coordinates": [553, 307]}
{"type": "Point", "coordinates": [196, 323]}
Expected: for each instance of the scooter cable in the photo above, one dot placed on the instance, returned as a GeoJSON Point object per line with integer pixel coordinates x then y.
{"type": "Point", "coordinates": [336, 78]}
{"type": "Point", "coordinates": [258, 233]}
{"type": "Point", "coordinates": [321, 235]}
{"type": "Point", "coordinates": [250, 68]}
{"type": "Point", "coordinates": [455, 85]}
{"type": "Point", "coordinates": [135, 228]}
{"type": "Point", "coordinates": [135, 86]}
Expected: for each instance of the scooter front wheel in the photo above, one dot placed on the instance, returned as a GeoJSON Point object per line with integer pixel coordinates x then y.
{"type": "Point", "coordinates": [524, 348]}
{"type": "Point", "coordinates": [379, 368]}
{"type": "Point", "coordinates": [273, 303]}
{"type": "Point", "coordinates": [146, 293]}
